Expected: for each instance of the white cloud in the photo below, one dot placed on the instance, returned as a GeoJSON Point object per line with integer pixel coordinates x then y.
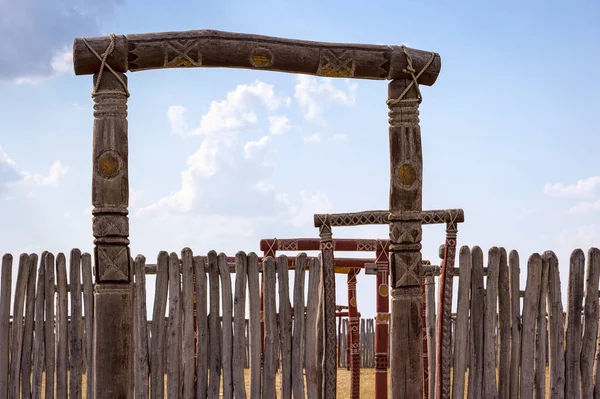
{"type": "Point", "coordinates": [313, 138]}
{"type": "Point", "coordinates": [176, 115]}
{"type": "Point", "coordinates": [278, 124]}
{"type": "Point", "coordinates": [585, 207]}
{"type": "Point", "coordinates": [314, 93]}
{"type": "Point", "coordinates": [309, 205]}
{"type": "Point", "coordinates": [583, 187]}
{"type": "Point", "coordinates": [339, 137]}
{"type": "Point", "coordinates": [52, 179]}
{"type": "Point", "coordinates": [584, 237]}
{"type": "Point", "coordinates": [252, 148]}
{"type": "Point", "coordinates": [62, 61]}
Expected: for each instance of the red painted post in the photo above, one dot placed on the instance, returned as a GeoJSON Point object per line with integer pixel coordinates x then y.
{"type": "Point", "coordinates": [353, 323]}
{"type": "Point", "coordinates": [381, 323]}
{"type": "Point", "coordinates": [425, 346]}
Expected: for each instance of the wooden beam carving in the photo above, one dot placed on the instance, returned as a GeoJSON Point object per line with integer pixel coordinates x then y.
{"type": "Point", "coordinates": [211, 48]}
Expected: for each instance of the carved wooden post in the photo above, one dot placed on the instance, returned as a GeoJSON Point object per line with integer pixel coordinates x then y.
{"type": "Point", "coordinates": [444, 319]}
{"type": "Point", "coordinates": [382, 318]}
{"type": "Point", "coordinates": [329, 338]}
{"type": "Point", "coordinates": [426, 375]}
{"type": "Point", "coordinates": [113, 296]}
{"type": "Point", "coordinates": [353, 323]}
{"type": "Point", "coordinates": [405, 240]}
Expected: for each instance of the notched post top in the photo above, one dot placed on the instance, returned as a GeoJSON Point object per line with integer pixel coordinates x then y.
{"type": "Point", "coordinates": [211, 48]}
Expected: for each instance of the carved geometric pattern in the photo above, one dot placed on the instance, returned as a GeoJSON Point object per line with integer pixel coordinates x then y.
{"type": "Point", "coordinates": [406, 267]}
{"type": "Point", "coordinates": [381, 361]}
{"type": "Point", "coordinates": [357, 218]}
{"type": "Point", "coordinates": [445, 310]}
{"type": "Point", "coordinates": [182, 53]}
{"type": "Point", "coordinates": [336, 63]}
{"type": "Point", "coordinates": [287, 245]}
{"type": "Point", "coordinates": [406, 232]}
{"type": "Point", "coordinates": [330, 342]}
{"type": "Point", "coordinates": [366, 245]}
{"type": "Point", "coordinates": [439, 217]}
{"type": "Point", "coordinates": [110, 225]}
{"type": "Point", "coordinates": [113, 263]}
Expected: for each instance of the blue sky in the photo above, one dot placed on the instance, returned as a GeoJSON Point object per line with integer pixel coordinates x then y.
{"type": "Point", "coordinates": [220, 158]}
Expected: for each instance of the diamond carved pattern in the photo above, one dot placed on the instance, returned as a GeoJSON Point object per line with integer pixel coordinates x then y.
{"type": "Point", "coordinates": [406, 267]}
{"type": "Point", "coordinates": [112, 263]}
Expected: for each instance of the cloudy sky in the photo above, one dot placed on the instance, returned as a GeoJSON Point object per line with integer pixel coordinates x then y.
{"type": "Point", "coordinates": [220, 158]}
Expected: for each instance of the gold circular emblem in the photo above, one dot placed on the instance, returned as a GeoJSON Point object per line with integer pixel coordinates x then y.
{"type": "Point", "coordinates": [407, 175]}
{"type": "Point", "coordinates": [383, 290]}
{"type": "Point", "coordinates": [353, 301]}
{"type": "Point", "coordinates": [109, 165]}
{"type": "Point", "coordinates": [261, 57]}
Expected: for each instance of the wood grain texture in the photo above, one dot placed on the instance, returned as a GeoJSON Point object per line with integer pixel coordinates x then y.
{"type": "Point", "coordinates": [17, 328]}
{"type": "Point", "coordinates": [504, 328]}
{"type": "Point", "coordinates": [88, 308]}
{"type": "Point", "coordinates": [489, 325]}
{"type": "Point", "coordinates": [75, 327]}
{"type": "Point", "coordinates": [514, 274]}
{"type": "Point", "coordinates": [530, 310]}
{"type": "Point", "coordinates": [269, 300]}
{"type": "Point", "coordinates": [227, 326]}
{"type": "Point", "coordinates": [475, 384]}
{"type": "Point", "coordinates": [62, 332]}
{"type": "Point", "coordinates": [573, 325]}
{"type": "Point", "coordinates": [432, 333]}
{"type": "Point", "coordinates": [201, 326]}
{"type": "Point", "coordinates": [26, 356]}
{"type": "Point", "coordinates": [254, 326]}
{"type": "Point", "coordinates": [462, 324]}
{"type": "Point", "coordinates": [556, 355]}
{"type": "Point", "coordinates": [38, 341]}
{"type": "Point", "coordinates": [5, 295]}
{"type": "Point", "coordinates": [313, 303]}
{"type": "Point", "coordinates": [174, 329]}
{"type": "Point", "coordinates": [590, 323]}
{"type": "Point", "coordinates": [141, 365]}
{"type": "Point", "coordinates": [158, 326]}
{"type": "Point", "coordinates": [189, 367]}
{"type": "Point", "coordinates": [298, 337]}
{"type": "Point", "coordinates": [214, 327]}
{"type": "Point", "coordinates": [285, 326]}
{"type": "Point", "coordinates": [49, 337]}
{"type": "Point", "coordinates": [542, 336]}
{"type": "Point", "coordinates": [211, 48]}
{"type": "Point", "coordinates": [239, 321]}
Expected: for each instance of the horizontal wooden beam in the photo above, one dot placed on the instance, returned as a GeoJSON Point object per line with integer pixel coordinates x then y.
{"type": "Point", "coordinates": [313, 244]}
{"type": "Point", "coordinates": [211, 48]}
{"type": "Point", "coordinates": [383, 217]}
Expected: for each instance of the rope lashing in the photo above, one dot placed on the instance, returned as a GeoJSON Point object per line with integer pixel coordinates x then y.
{"type": "Point", "coordinates": [103, 64]}
{"type": "Point", "coordinates": [410, 70]}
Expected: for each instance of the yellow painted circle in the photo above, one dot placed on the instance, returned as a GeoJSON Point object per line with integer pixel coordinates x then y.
{"type": "Point", "coordinates": [353, 301]}
{"type": "Point", "coordinates": [383, 290]}
{"type": "Point", "coordinates": [108, 165]}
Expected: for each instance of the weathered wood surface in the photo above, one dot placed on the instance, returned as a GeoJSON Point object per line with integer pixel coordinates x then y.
{"type": "Point", "coordinates": [239, 350]}
{"type": "Point", "coordinates": [432, 333]}
{"type": "Point", "coordinates": [201, 327]}
{"type": "Point", "coordinates": [17, 326]}
{"type": "Point", "coordinates": [62, 353]}
{"type": "Point", "coordinates": [254, 326]}
{"type": "Point", "coordinates": [214, 328]}
{"type": "Point", "coordinates": [462, 324]}
{"type": "Point", "coordinates": [530, 309]}
{"type": "Point", "coordinates": [298, 337]}
{"type": "Point", "coordinates": [158, 326]}
{"type": "Point", "coordinates": [542, 336]}
{"type": "Point", "coordinates": [590, 326]}
{"type": "Point", "coordinates": [475, 384]}
{"type": "Point", "coordinates": [141, 366]}
{"type": "Point", "coordinates": [227, 329]}
{"type": "Point", "coordinates": [556, 356]}
{"type": "Point", "coordinates": [88, 307]}
{"type": "Point", "coordinates": [269, 389]}
{"type": "Point", "coordinates": [437, 216]}
{"type": "Point", "coordinates": [515, 316]}
{"type": "Point", "coordinates": [5, 295]}
{"type": "Point", "coordinates": [489, 325]}
{"type": "Point", "coordinates": [285, 326]}
{"type": "Point", "coordinates": [174, 329]}
{"type": "Point", "coordinates": [49, 327]}
{"type": "Point", "coordinates": [26, 356]}
{"type": "Point", "coordinates": [313, 303]}
{"type": "Point", "coordinates": [38, 342]}
{"type": "Point", "coordinates": [504, 327]}
{"type": "Point", "coordinates": [188, 349]}
{"type": "Point", "coordinates": [573, 325]}
{"type": "Point", "coordinates": [76, 327]}
{"type": "Point", "coordinates": [211, 48]}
